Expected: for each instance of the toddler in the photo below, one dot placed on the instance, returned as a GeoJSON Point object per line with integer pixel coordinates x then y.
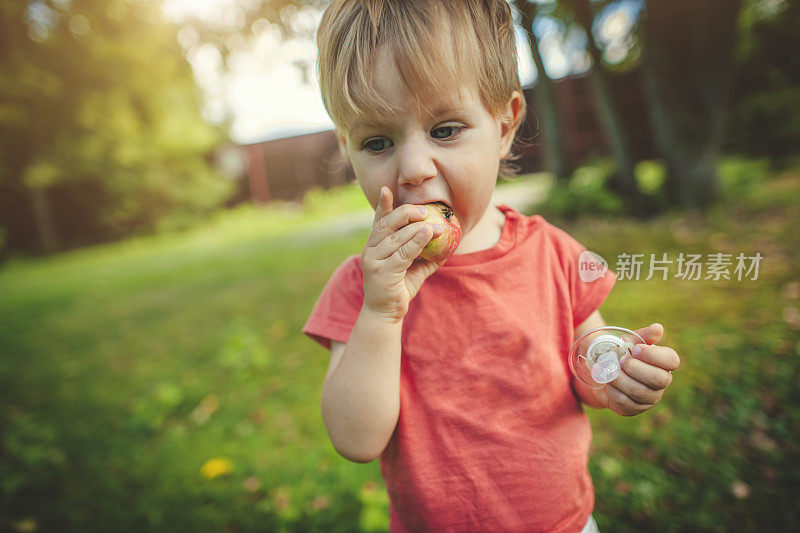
{"type": "Point", "coordinates": [454, 373]}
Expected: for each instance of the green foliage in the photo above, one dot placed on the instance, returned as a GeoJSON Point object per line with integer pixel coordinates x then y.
{"type": "Point", "coordinates": [147, 358]}
{"type": "Point", "coordinates": [29, 445]}
{"type": "Point", "coordinates": [650, 176]}
{"type": "Point", "coordinates": [585, 192]}
{"type": "Point", "coordinates": [100, 110]}
{"type": "Point", "coordinates": [765, 110]}
{"type": "Point", "coordinates": [741, 177]}
{"type": "Point", "coordinates": [243, 349]}
{"type": "Point", "coordinates": [375, 507]}
{"type": "Point", "coordinates": [719, 450]}
{"type": "Point", "coordinates": [126, 367]}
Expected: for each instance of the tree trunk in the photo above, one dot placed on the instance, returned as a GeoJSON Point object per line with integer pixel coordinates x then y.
{"type": "Point", "coordinates": [45, 225]}
{"type": "Point", "coordinates": [687, 68]}
{"type": "Point", "coordinates": [608, 107]}
{"type": "Point", "coordinates": [556, 155]}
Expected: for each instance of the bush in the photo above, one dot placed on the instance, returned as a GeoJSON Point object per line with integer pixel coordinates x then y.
{"type": "Point", "coordinates": [585, 192]}
{"type": "Point", "coordinates": [650, 176]}
{"type": "Point", "coordinates": [739, 176]}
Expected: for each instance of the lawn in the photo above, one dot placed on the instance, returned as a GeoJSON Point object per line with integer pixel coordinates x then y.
{"type": "Point", "coordinates": [163, 383]}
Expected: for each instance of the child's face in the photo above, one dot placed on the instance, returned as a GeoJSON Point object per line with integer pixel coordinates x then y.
{"type": "Point", "coordinates": [452, 156]}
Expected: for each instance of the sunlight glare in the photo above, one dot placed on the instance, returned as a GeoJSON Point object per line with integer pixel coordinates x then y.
{"type": "Point", "coordinates": [616, 25]}
{"type": "Point", "coordinates": [205, 10]}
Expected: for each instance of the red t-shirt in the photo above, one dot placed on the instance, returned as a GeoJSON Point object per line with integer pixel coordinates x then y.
{"type": "Point", "coordinates": [491, 436]}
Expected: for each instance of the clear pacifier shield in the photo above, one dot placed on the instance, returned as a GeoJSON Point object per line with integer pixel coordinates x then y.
{"type": "Point", "coordinates": [594, 356]}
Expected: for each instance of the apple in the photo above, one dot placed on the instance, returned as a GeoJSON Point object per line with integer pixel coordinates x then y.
{"type": "Point", "coordinates": [445, 244]}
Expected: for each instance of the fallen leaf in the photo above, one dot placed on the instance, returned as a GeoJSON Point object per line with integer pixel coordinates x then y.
{"type": "Point", "coordinates": [321, 502]}
{"type": "Point", "coordinates": [792, 317]}
{"type": "Point", "coordinates": [762, 441]}
{"type": "Point", "coordinates": [740, 490]}
{"type": "Point", "coordinates": [622, 487]}
{"type": "Point", "coordinates": [252, 484]}
{"type": "Point", "coordinates": [791, 290]}
{"type": "Point", "coordinates": [662, 418]}
{"type": "Point", "coordinates": [258, 416]}
{"type": "Point", "coordinates": [281, 499]}
{"type": "Point", "coordinates": [205, 409]}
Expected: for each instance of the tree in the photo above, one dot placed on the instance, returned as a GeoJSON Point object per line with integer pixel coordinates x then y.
{"type": "Point", "coordinates": [687, 67]}
{"type": "Point", "coordinates": [246, 19]}
{"type": "Point", "coordinates": [101, 133]}
{"type": "Point", "coordinates": [556, 154]}
{"type": "Point", "coordinates": [608, 107]}
{"type": "Point", "coordinates": [765, 110]}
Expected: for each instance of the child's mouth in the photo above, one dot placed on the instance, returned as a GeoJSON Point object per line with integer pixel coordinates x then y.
{"type": "Point", "coordinates": [447, 211]}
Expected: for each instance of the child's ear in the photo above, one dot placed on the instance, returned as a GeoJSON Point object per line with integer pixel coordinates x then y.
{"type": "Point", "coordinates": [509, 122]}
{"type": "Point", "coordinates": [342, 144]}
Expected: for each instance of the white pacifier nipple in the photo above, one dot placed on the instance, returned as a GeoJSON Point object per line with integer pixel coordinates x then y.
{"type": "Point", "coordinates": [594, 356]}
{"type": "Point", "coordinates": [603, 355]}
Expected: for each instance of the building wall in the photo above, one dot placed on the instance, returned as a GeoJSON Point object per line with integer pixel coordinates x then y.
{"type": "Point", "coordinates": [286, 168]}
{"type": "Point", "coordinates": [583, 133]}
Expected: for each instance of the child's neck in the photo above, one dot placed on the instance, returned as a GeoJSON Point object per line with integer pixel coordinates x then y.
{"type": "Point", "coordinates": [486, 233]}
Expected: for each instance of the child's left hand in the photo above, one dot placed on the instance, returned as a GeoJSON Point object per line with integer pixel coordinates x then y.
{"type": "Point", "coordinates": [644, 376]}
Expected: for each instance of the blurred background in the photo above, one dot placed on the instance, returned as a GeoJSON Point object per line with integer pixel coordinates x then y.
{"type": "Point", "coordinates": [172, 202]}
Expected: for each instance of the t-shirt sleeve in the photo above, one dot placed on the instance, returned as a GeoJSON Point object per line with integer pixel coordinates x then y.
{"type": "Point", "coordinates": [589, 280]}
{"type": "Point", "coordinates": [337, 307]}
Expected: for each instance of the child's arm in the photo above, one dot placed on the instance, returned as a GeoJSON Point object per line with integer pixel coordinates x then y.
{"type": "Point", "coordinates": [588, 395]}
{"type": "Point", "coordinates": [361, 393]}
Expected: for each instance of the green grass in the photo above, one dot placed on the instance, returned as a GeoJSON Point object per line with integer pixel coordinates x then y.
{"type": "Point", "coordinates": [125, 367]}
{"type": "Point", "coordinates": [720, 452]}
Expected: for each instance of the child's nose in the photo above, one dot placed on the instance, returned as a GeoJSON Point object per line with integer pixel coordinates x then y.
{"type": "Point", "coordinates": [416, 163]}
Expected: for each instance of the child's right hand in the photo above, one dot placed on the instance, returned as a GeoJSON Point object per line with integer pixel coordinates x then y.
{"type": "Point", "coordinates": [392, 273]}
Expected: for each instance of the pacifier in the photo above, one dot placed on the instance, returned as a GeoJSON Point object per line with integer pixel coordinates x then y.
{"type": "Point", "coordinates": [594, 356]}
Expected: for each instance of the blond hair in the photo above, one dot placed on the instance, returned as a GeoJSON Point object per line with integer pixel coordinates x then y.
{"type": "Point", "coordinates": [435, 44]}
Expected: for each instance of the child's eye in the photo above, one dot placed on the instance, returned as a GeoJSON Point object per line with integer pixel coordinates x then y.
{"type": "Point", "coordinates": [443, 132]}
{"type": "Point", "coordinates": [377, 144]}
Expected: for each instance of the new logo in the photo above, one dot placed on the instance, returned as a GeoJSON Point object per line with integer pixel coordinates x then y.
{"type": "Point", "coordinates": [591, 266]}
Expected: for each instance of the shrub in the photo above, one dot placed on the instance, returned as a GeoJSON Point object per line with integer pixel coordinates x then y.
{"type": "Point", "coordinates": [585, 192]}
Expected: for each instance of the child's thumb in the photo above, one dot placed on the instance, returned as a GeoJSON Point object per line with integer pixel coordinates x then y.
{"type": "Point", "coordinates": [651, 333]}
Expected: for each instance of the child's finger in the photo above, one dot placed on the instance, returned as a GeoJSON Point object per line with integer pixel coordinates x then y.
{"type": "Point", "coordinates": [660, 356]}
{"type": "Point", "coordinates": [638, 391]}
{"type": "Point", "coordinates": [384, 207]}
{"type": "Point", "coordinates": [652, 376]}
{"type": "Point", "coordinates": [623, 404]}
{"type": "Point", "coordinates": [651, 333]}
{"type": "Point", "coordinates": [385, 200]}
{"type": "Point", "coordinates": [405, 255]}
{"type": "Point", "coordinates": [394, 220]}
{"type": "Point", "coordinates": [390, 244]}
